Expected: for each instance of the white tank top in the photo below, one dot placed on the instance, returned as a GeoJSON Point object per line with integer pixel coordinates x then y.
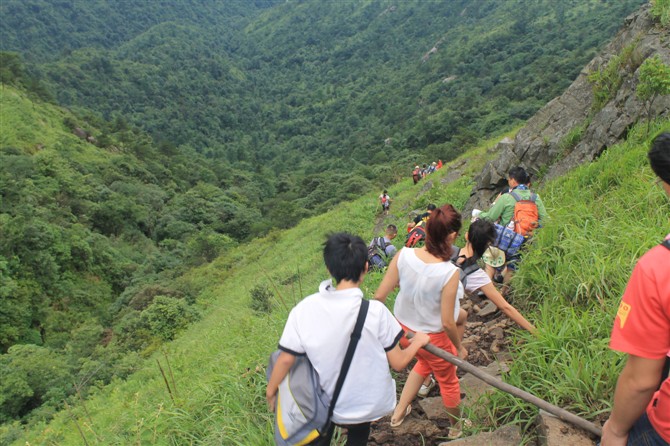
{"type": "Point", "coordinates": [418, 304]}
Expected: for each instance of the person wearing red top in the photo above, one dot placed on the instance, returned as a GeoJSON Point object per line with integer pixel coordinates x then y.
{"type": "Point", "coordinates": [641, 412]}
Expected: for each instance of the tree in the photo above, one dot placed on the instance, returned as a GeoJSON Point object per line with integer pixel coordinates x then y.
{"type": "Point", "coordinates": [654, 81]}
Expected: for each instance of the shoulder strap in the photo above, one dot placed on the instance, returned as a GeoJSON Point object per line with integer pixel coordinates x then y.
{"type": "Point", "coordinates": [355, 336]}
{"type": "Point", "coordinates": [666, 243]}
{"type": "Point", "coordinates": [515, 195]}
{"type": "Point", "coordinates": [381, 242]}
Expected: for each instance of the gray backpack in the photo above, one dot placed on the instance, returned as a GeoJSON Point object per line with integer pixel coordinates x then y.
{"type": "Point", "coordinates": [304, 409]}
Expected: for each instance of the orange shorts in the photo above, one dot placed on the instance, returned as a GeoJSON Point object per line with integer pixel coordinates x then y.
{"type": "Point", "coordinates": [444, 372]}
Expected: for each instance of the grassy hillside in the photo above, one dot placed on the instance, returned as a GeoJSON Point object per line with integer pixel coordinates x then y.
{"type": "Point", "coordinates": [570, 285]}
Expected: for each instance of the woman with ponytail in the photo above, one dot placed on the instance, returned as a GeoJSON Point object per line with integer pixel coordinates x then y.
{"type": "Point", "coordinates": [428, 301]}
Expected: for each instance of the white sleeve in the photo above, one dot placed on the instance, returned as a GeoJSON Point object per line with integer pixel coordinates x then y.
{"type": "Point", "coordinates": [476, 280]}
{"type": "Point", "coordinates": [290, 339]}
{"type": "Point", "coordinates": [390, 330]}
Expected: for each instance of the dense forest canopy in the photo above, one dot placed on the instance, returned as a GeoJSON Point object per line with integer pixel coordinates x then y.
{"type": "Point", "coordinates": [329, 94]}
{"type": "Point", "coordinates": [191, 126]}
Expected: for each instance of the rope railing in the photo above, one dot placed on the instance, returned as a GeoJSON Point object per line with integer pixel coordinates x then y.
{"type": "Point", "coordinates": [561, 414]}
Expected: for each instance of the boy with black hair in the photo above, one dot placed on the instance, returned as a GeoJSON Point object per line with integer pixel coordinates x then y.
{"type": "Point", "coordinates": [319, 327]}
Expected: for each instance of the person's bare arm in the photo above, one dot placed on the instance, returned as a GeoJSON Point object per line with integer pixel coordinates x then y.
{"type": "Point", "coordinates": [634, 389]}
{"type": "Point", "coordinates": [447, 313]}
{"type": "Point", "coordinates": [389, 282]}
{"type": "Point", "coordinates": [283, 364]}
{"type": "Point", "coordinates": [499, 301]}
{"type": "Point", "coordinates": [399, 358]}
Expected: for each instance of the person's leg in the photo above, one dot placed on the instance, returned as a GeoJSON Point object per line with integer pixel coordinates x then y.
{"type": "Point", "coordinates": [324, 440]}
{"type": "Point", "coordinates": [357, 434]}
{"type": "Point", "coordinates": [409, 391]}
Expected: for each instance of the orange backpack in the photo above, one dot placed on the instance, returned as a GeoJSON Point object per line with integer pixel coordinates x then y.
{"type": "Point", "coordinates": [526, 216]}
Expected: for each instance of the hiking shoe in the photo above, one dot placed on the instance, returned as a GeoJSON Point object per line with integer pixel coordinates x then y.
{"type": "Point", "coordinates": [425, 389]}
{"type": "Point", "coordinates": [457, 430]}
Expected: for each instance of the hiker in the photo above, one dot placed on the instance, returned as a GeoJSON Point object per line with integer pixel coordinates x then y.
{"type": "Point", "coordinates": [439, 164]}
{"type": "Point", "coordinates": [320, 327]}
{"type": "Point", "coordinates": [416, 174]}
{"type": "Point", "coordinates": [478, 239]}
{"type": "Point", "coordinates": [428, 300]}
{"type": "Point", "coordinates": [381, 250]}
{"type": "Point", "coordinates": [424, 170]}
{"type": "Point", "coordinates": [385, 201]}
{"type": "Point", "coordinates": [416, 229]}
{"type": "Point", "coordinates": [641, 411]}
{"type": "Point", "coordinates": [520, 210]}
{"type": "Point", "coordinates": [421, 218]}
{"type": "Point", "coordinates": [432, 167]}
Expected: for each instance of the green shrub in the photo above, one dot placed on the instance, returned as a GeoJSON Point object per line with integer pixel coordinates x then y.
{"type": "Point", "coordinates": [261, 299]}
{"type": "Point", "coordinates": [167, 315]}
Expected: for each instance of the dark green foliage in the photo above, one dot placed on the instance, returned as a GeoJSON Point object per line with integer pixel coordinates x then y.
{"type": "Point", "coordinates": [166, 316]}
{"type": "Point", "coordinates": [261, 297]}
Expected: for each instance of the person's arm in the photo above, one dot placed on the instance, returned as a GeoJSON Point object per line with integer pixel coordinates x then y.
{"type": "Point", "coordinates": [634, 389]}
{"type": "Point", "coordinates": [499, 301]}
{"type": "Point", "coordinates": [447, 306]}
{"type": "Point", "coordinates": [283, 364]}
{"type": "Point", "coordinates": [390, 250]}
{"type": "Point", "coordinates": [399, 358]}
{"type": "Point", "coordinates": [497, 209]}
{"type": "Point", "coordinates": [389, 282]}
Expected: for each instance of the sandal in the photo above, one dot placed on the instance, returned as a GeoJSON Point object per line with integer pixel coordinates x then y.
{"type": "Point", "coordinates": [399, 422]}
{"type": "Point", "coordinates": [457, 430]}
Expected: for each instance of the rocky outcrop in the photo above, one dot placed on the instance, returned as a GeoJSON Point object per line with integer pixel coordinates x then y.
{"type": "Point", "coordinates": [542, 145]}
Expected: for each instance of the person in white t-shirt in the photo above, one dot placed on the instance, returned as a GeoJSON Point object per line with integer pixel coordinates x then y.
{"type": "Point", "coordinates": [428, 301]}
{"type": "Point", "coordinates": [320, 327]}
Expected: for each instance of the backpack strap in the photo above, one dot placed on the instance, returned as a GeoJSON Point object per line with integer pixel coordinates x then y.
{"type": "Point", "coordinates": [381, 242]}
{"type": "Point", "coordinates": [353, 341]}
{"type": "Point", "coordinates": [666, 243]}
{"type": "Point", "coordinates": [517, 197]}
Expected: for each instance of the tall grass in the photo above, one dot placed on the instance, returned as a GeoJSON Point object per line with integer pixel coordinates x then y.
{"type": "Point", "coordinates": [604, 216]}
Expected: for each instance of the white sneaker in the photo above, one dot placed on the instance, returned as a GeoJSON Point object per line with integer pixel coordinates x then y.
{"type": "Point", "coordinates": [425, 389]}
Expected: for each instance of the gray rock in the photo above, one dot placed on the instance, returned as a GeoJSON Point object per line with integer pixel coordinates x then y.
{"type": "Point", "coordinates": [554, 432]}
{"type": "Point", "coordinates": [434, 408]}
{"type": "Point", "coordinates": [540, 146]}
{"type": "Point", "coordinates": [505, 436]}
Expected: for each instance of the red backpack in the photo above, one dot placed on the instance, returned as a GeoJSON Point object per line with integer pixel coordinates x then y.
{"type": "Point", "coordinates": [526, 215]}
{"type": "Point", "coordinates": [416, 235]}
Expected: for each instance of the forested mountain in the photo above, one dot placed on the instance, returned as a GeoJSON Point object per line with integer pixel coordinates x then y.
{"type": "Point", "coordinates": [195, 125]}
{"type": "Point", "coordinates": [325, 99]}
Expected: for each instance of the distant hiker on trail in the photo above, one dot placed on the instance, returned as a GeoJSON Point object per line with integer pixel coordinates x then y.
{"type": "Point", "coordinates": [421, 218]}
{"type": "Point", "coordinates": [439, 164]}
{"type": "Point", "coordinates": [641, 411]}
{"type": "Point", "coordinates": [385, 201]}
{"type": "Point", "coordinates": [320, 327]}
{"type": "Point", "coordinates": [424, 171]}
{"type": "Point", "coordinates": [428, 301]}
{"type": "Point", "coordinates": [416, 174]}
{"type": "Point", "coordinates": [520, 210]}
{"type": "Point", "coordinates": [381, 250]}
{"type": "Point", "coordinates": [416, 229]}
{"type": "Point", "coordinates": [432, 167]}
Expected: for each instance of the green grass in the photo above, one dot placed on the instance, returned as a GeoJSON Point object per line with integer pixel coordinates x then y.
{"type": "Point", "coordinates": [603, 217]}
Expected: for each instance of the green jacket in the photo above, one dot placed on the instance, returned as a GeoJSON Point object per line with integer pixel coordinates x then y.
{"type": "Point", "coordinates": [503, 208]}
